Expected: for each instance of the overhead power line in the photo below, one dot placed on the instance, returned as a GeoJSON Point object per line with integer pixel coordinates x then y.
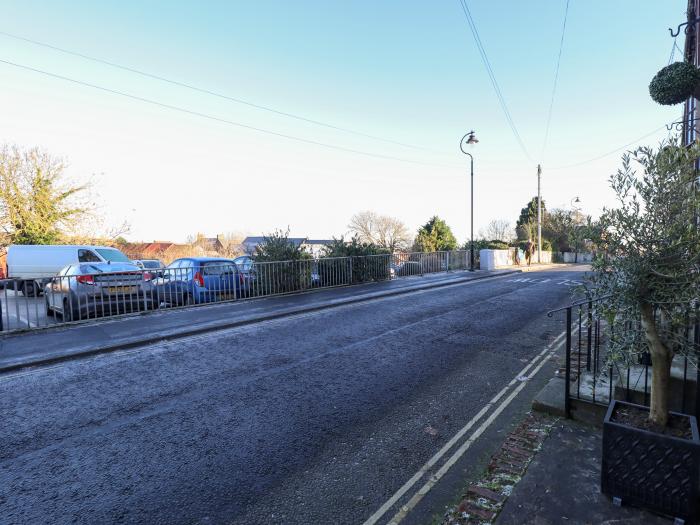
{"type": "Point", "coordinates": [556, 79]}
{"type": "Point", "coordinates": [581, 163]}
{"type": "Point", "coordinates": [492, 77]}
{"type": "Point", "coordinates": [211, 93]}
{"type": "Point", "coordinates": [218, 119]}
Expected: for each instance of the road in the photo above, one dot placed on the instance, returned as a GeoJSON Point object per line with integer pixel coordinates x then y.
{"type": "Point", "coordinates": [316, 418]}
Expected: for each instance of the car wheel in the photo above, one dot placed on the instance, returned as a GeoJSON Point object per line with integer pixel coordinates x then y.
{"type": "Point", "coordinates": [67, 312]}
{"type": "Point", "coordinates": [49, 310]}
{"type": "Point", "coordinates": [188, 300]}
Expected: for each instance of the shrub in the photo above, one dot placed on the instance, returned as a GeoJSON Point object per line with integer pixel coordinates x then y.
{"type": "Point", "coordinates": [292, 270]}
{"type": "Point", "coordinates": [369, 263]}
{"type": "Point", "coordinates": [674, 83]}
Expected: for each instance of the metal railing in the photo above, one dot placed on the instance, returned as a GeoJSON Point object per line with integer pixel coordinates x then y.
{"type": "Point", "coordinates": [88, 291]}
{"type": "Point", "coordinates": [593, 375]}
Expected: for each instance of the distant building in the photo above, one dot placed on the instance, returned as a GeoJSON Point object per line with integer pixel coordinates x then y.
{"type": "Point", "coordinates": [315, 246]}
{"type": "Point", "coordinates": [311, 246]}
{"type": "Point", "coordinates": [210, 244]}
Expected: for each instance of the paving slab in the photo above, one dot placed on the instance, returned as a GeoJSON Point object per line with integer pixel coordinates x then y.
{"type": "Point", "coordinates": [562, 485]}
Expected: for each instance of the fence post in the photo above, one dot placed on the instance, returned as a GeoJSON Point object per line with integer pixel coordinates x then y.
{"type": "Point", "coordinates": [350, 279]}
{"type": "Point", "coordinates": [448, 262]}
{"type": "Point", "coordinates": [696, 345]}
{"type": "Point", "coordinates": [567, 378]}
{"type": "Point", "coordinates": [590, 335]}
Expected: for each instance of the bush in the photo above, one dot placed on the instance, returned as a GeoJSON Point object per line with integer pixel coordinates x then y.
{"type": "Point", "coordinates": [674, 83]}
{"type": "Point", "coordinates": [292, 270]}
{"type": "Point", "coordinates": [369, 263]}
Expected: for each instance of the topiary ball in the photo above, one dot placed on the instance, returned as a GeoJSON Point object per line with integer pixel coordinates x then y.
{"type": "Point", "coordinates": [674, 83]}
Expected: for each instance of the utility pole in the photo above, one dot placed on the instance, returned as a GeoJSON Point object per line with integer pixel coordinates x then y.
{"type": "Point", "coordinates": [539, 215]}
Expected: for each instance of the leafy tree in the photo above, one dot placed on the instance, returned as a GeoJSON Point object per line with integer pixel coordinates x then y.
{"type": "Point", "coordinates": [435, 235]}
{"type": "Point", "coordinates": [526, 225]}
{"type": "Point", "coordinates": [37, 205]}
{"type": "Point", "coordinates": [651, 269]}
{"type": "Point", "coordinates": [380, 230]}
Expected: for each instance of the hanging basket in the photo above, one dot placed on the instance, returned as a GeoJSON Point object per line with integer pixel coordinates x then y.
{"type": "Point", "coordinates": [675, 83]}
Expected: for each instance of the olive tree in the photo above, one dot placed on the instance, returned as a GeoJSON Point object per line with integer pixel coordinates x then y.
{"type": "Point", "coordinates": [649, 273]}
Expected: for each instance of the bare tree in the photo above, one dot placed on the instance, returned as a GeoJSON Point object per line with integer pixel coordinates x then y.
{"type": "Point", "coordinates": [498, 230]}
{"type": "Point", "coordinates": [232, 244]}
{"type": "Point", "coordinates": [381, 230]}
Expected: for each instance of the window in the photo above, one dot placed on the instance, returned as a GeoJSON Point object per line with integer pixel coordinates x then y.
{"type": "Point", "coordinates": [87, 256]}
{"type": "Point", "coordinates": [218, 268]}
{"type": "Point", "coordinates": [111, 255]}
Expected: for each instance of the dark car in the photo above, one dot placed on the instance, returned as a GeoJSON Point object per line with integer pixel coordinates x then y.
{"type": "Point", "coordinates": [88, 290]}
{"type": "Point", "coordinates": [196, 280]}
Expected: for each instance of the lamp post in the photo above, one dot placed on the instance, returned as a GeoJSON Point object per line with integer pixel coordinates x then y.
{"type": "Point", "coordinates": [470, 139]}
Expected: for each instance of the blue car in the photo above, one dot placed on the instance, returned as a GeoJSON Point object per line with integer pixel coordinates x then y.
{"type": "Point", "coordinates": [196, 280]}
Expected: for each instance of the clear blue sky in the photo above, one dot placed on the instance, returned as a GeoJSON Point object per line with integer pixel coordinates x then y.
{"type": "Point", "coordinates": [406, 71]}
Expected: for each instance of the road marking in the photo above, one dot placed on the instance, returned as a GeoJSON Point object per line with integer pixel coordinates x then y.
{"type": "Point", "coordinates": [418, 496]}
{"type": "Point", "coordinates": [374, 518]}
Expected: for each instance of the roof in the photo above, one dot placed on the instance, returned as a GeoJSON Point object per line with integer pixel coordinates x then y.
{"type": "Point", "coordinates": [318, 241]}
{"type": "Point", "coordinates": [260, 239]}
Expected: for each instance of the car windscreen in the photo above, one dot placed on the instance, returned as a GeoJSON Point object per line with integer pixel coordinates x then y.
{"type": "Point", "coordinates": [151, 264]}
{"type": "Point", "coordinates": [112, 255]}
{"type": "Point", "coordinates": [218, 267]}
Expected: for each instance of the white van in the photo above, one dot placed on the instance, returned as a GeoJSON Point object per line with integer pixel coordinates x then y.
{"type": "Point", "coordinates": [33, 265]}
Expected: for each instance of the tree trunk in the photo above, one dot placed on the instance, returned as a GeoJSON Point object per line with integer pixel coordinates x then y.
{"type": "Point", "coordinates": [661, 358]}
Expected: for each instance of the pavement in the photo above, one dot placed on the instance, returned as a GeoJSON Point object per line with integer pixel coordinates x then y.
{"type": "Point", "coordinates": [367, 412]}
{"type": "Point", "coordinates": [562, 484]}
{"type": "Point", "coordinates": [18, 350]}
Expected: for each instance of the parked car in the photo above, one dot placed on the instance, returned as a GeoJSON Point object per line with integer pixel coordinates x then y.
{"type": "Point", "coordinates": [154, 266]}
{"type": "Point", "coordinates": [246, 266]}
{"type": "Point", "coordinates": [148, 264]}
{"type": "Point", "coordinates": [404, 268]}
{"type": "Point", "coordinates": [195, 280]}
{"type": "Point", "coordinates": [88, 290]}
{"type": "Point", "coordinates": [30, 266]}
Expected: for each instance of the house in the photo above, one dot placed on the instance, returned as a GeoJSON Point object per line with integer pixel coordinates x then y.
{"type": "Point", "coordinates": [210, 244]}
{"type": "Point", "coordinates": [311, 246]}
{"type": "Point", "coordinates": [315, 246]}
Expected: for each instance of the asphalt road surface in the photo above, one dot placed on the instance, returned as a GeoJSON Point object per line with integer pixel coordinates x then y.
{"type": "Point", "coordinates": [317, 418]}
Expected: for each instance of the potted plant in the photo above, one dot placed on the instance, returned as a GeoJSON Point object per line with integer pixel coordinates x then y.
{"type": "Point", "coordinates": [675, 83]}
{"type": "Point", "coordinates": [649, 281]}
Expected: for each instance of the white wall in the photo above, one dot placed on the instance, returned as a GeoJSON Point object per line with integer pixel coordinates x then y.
{"type": "Point", "coordinates": [570, 257]}
{"type": "Point", "coordinates": [492, 259]}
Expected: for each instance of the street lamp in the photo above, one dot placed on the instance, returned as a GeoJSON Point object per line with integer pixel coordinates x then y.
{"type": "Point", "coordinates": [470, 139]}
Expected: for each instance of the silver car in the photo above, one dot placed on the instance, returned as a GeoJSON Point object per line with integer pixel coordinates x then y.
{"type": "Point", "coordinates": [90, 290]}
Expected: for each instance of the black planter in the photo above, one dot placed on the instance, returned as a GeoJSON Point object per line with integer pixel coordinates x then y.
{"type": "Point", "coordinates": [650, 470]}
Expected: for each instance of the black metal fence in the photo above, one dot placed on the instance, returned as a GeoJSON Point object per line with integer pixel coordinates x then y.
{"type": "Point", "coordinates": [593, 375]}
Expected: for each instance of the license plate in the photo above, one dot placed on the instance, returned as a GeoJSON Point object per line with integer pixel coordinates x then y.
{"type": "Point", "coordinates": [122, 289]}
